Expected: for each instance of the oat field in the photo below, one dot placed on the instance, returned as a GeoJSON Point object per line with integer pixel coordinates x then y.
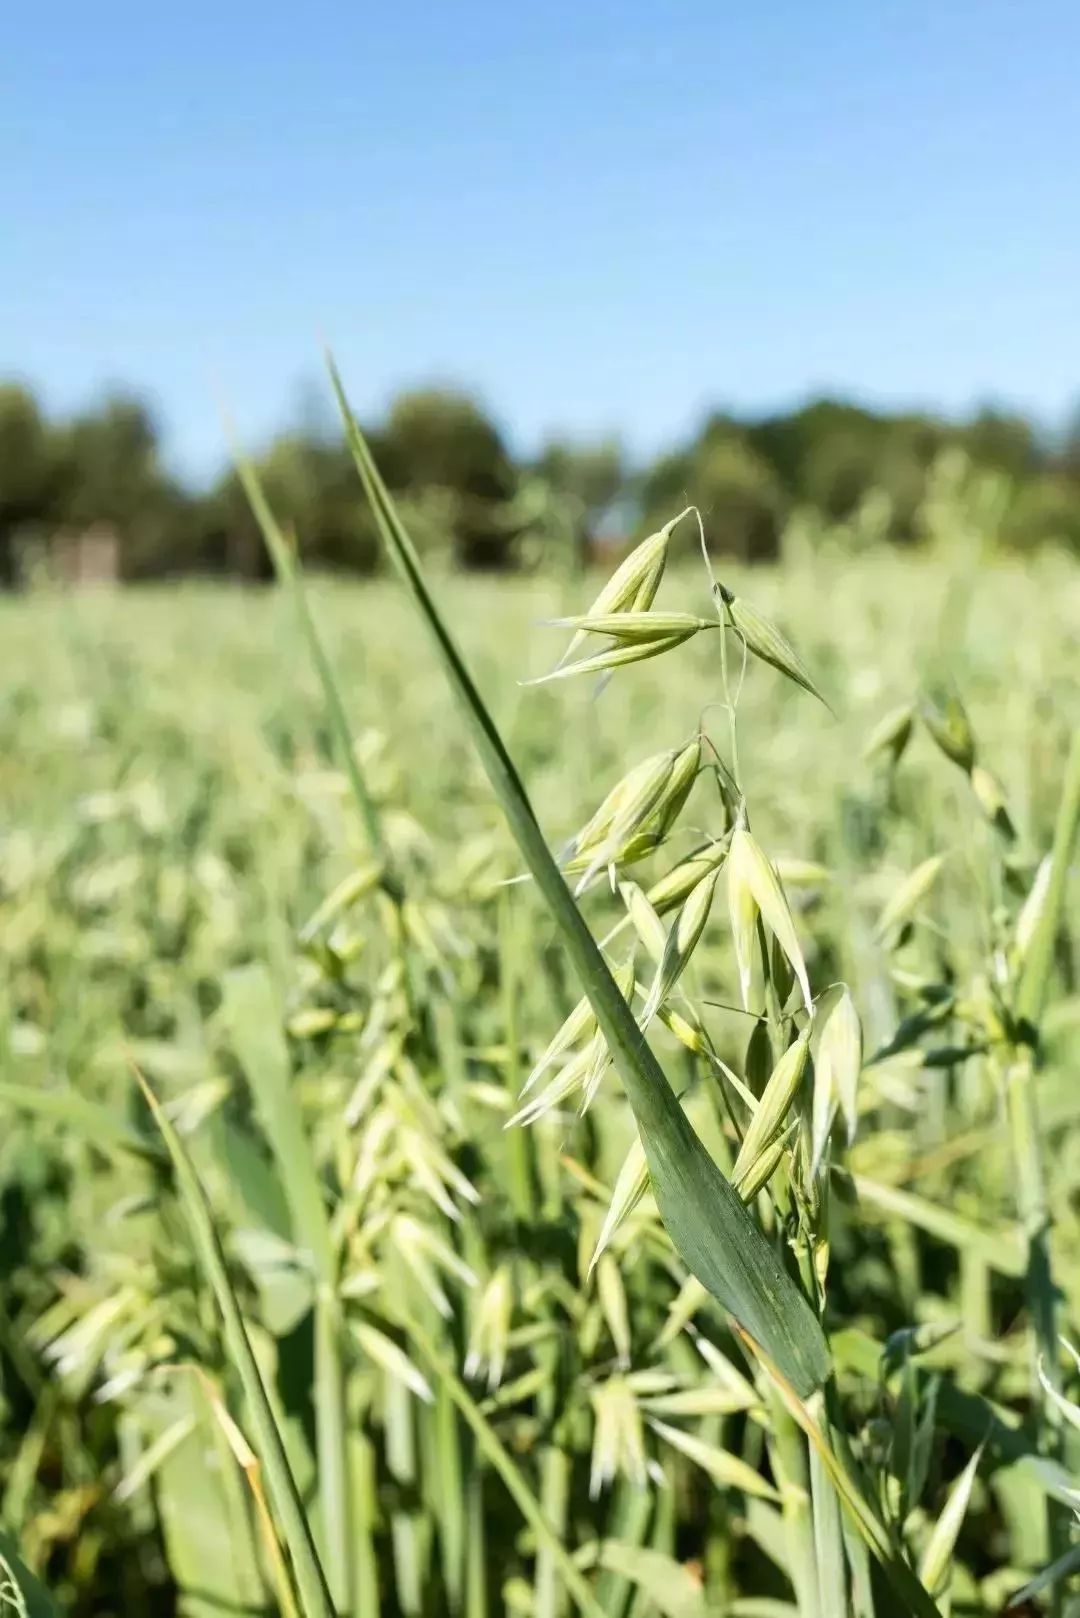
{"type": "Point", "coordinates": [353, 1262]}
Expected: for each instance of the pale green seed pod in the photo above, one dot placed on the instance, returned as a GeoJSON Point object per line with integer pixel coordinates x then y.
{"type": "Point", "coordinates": [633, 585]}
{"type": "Point", "coordinates": [312, 1022]}
{"type": "Point", "coordinates": [570, 1077]}
{"type": "Point", "coordinates": [596, 830]}
{"type": "Point", "coordinates": [1032, 909]}
{"type": "Point", "coordinates": [674, 886]}
{"type": "Point", "coordinates": [836, 1045]}
{"type": "Point", "coordinates": [673, 798]}
{"type": "Point", "coordinates": [669, 805]}
{"type": "Point", "coordinates": [638, 848]}
{"type": "Point", "coordinates": [644, 920]}
{"type": "Point", "coordinates": [752, 873]}
{"type": "Point", "coordinates": [618, 657]}
{"type": "Point", "coordinates": [687, 1029]}
{"type": "Point", "coordinates": [691, 1297]}
{"type": "Point", "coordinates": [634, 815]}
{"type": "Point", "coordinates": [991, 795]}
{"type": "Point", "coordinates": [637, 628]}
{"type": "Point", "coordinates": [762, 637]}
{"type": "Point", "coordinates": [743, 915]}
{"type": "Point", "coordinates": [775, 1104]}
{"type": "Point", "coordinates": [783, 978]}
{"type": "Point", "coordinates": [629, 1188]}
{"type": "Point", "coordinates": [612, 1295]}
{"type": "Point", "coordinates": [937, 1558]}
{"type": "Point", "coordinates": [796, 873]}
{"type": "Point", "coordinates": [489, 1338]}
{"type": "Point", "coordinates": [577, 1025]}
{"type": "Point", "coordinates": [348, 892]}
{"type": "Point", "coordinates": [890, 736]}
{"type": "Point", "coordinates": [682, 940]}
{"type": "Point", "coordinates": [945, 717]}
{"type": "Point", "coordinates": [761, 1170]}
{"type": "Point", "coordinates": [907, 898]}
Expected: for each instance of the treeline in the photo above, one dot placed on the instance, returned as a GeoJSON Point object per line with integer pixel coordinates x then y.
{"type": "Point", "coordinates": [834, 463]}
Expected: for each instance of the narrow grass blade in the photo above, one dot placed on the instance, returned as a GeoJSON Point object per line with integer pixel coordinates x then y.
{"type": "Point", "coordinates": [727, 1470]}
{"type": "Point", "coordinates": [152, 1457]}
{"type": "Point", "coordinates": [900, 908]}
{"type": "Point", "coordinates": [1035, 976]}
{"type": "Point", "coordinates": [716, 1237]}
{"type": "Point", "coordinates": [1000, 1246]}
{"type": "Point", "coordinates": [287, 569]}
{"type": "Point", "coordinates": [310, 1579]}
{"type": "Point", "coordinates": [96, 1124]}
{"type": "Point", "coordinates": [492, 1449]}
{"type": "Point", "coordinates": [252, 1017]}
{"type": "Point", "coordinates": [393, 1360]}
{"type": "Point", "coordinates": [936, 1563]}
{"type": "Point", "coordinates": [828, 1541]}
{"type": "Point", "coordinates": [1063, 1568]}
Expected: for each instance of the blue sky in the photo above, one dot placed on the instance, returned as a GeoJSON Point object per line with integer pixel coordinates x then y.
{"type": "Point", "coordinates": [601, 216]}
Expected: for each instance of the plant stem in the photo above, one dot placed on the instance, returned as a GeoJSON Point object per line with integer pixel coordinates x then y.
{"type": "Point", "coordinates": [1023, 1116]}
{"type": "Point", "coordinates": [492, 1449]}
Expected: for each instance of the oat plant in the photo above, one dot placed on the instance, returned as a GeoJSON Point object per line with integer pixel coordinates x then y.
{"type": "Point", "coordinates": [754, 1237]}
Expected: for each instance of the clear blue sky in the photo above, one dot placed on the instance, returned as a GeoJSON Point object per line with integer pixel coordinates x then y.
{"type": "Point", "coordinates": [602, 215]}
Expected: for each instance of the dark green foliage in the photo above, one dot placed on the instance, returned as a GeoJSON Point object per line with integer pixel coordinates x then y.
{"type": "Point", "coordinates": [467, 496]}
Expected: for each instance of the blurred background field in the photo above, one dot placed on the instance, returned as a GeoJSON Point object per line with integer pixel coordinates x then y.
{"type": "Point", "coordinates": [173, 814]}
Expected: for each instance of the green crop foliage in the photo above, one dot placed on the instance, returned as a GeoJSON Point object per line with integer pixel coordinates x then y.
{"type": "Point", "coordinates": [610, 1144]}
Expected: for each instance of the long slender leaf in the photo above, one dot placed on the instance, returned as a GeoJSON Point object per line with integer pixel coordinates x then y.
{"type": "Point", "coordinates": [253, 1019]}
{"type": "Point", "coordinates": [1035, 975]}
{"type": "Point", "coordinates": [95, 1123]}
{"type": "Point", "coordinates": [310, 1578]}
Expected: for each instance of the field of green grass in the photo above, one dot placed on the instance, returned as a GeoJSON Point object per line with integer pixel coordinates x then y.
{"type": "Point", "coordinates": [457, 1407]}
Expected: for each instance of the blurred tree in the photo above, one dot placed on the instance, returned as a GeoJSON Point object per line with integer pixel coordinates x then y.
{"type": "Point", "coordinates": [110, 476]}
{"type": "Point", "coordinates": [1045, 510]}
{"type": "Point", "coordinates": [571, 487]}
{"type": "Point", "coordinates": [825, 454]}
{"type": "Point", "coordinates": [1068, 456]}
{"type": "Point", "coordinates": [313, 490]}
{"type": "Point", "coordinates": [28, 473]}
{"type": "Point", "coordinates": [736, 489]}
{"type": "Point", "coordinates": [832, 455]}
{"type": "Point", "coordinates": [440, 440]}
{"type": "Point", "coordinates": [1002, 441]}
{"type": "Point", "coordinates": [861, 476]}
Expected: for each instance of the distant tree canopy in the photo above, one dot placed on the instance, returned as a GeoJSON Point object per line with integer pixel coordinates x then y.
{"type": "Point", "coordinates": [466, 494]}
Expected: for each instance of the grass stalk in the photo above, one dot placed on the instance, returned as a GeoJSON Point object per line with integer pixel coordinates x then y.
{"type": "Point", "coordinates": [289, 575]}
{"type": "Point", "coordinates": [492, 1449]}
{"type": "Point", "coordinates": [312, 1587]}
{"type": "Point", "coordinates": [1022, 1112]}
